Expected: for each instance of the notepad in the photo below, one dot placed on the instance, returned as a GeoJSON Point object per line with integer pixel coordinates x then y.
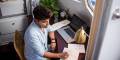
{"type": "Point", "coordinates": [60, 24]}
{"type": "Point", "coordinates": [73, 50]}
{"type": "Point", "coordinates": [77, 47]}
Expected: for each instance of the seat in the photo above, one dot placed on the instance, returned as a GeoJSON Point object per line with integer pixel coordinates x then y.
{"type": "Point", "coordinates": [19, 45]}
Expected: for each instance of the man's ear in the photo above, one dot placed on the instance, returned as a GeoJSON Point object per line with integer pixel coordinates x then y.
{"type": "Point", "coordinates": [36, 20]}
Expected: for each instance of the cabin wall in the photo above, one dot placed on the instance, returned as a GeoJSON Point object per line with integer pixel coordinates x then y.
{"type": "Point", "coordinates": [107, 40]}
{"type": "Point", "coordinates": [110, 49]}
{"type": "Point", "coordinates": [12, 18]}
{"type": "Point", "coordinates": [77, 8]}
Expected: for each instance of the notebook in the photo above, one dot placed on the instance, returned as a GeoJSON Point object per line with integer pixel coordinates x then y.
{"type": "Point", "coordinates": [73, 50]}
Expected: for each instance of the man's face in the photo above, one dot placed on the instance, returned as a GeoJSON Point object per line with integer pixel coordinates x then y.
{"type": "Point", "coordinates": [43, 23]}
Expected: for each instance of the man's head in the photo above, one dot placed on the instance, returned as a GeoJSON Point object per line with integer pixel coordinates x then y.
{"type": "Point", "coordinates": [42, 16]}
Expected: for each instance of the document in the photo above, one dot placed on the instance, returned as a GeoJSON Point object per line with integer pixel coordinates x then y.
{"type": "Point", "coordinates": [73, 50]}
{"type": "Point", "coordinates": [77, 47]}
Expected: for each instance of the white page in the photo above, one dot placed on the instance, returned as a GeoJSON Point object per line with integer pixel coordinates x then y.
{"type": "Point", "coordinates": [73, 50]}
{"type": "Point", "coordinates": [73, 55]}
{"type": "Point", "coordinates": [79, 47]}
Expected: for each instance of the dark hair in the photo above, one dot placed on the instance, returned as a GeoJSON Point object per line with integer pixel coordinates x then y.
{"type": "Point", "coordinates": [40, 12]}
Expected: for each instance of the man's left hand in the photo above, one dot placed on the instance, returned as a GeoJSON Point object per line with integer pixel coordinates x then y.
{"type": "Point", "coordinates": [53, 46]}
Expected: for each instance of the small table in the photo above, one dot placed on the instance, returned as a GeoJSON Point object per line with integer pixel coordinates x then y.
{"type": "Point", "coordinates": [61, 44]}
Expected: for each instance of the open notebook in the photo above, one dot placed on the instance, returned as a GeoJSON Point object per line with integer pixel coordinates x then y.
{"type": "Point", "coordinates": [73, 50]}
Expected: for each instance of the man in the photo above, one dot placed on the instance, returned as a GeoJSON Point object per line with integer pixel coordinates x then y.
{"type": "Point", "coordinates": [36, 37]}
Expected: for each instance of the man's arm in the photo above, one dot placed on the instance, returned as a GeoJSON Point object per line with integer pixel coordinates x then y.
{"type": "Point", "coordinates": [63, 55]}
{"type": "Point", "coordinates": [52, 38]}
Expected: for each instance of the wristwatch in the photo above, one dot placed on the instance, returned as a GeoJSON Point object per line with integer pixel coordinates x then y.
{"type": "Point", "coordinates": [52, 40]}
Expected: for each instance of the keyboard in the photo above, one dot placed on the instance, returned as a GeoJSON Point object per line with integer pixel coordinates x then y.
{"type": "Point", "coordinates": [67, 34]}
{"type": "Point", "coordinates": [60, 24]}
{"type": "Point", "coordinates": [70, 33]}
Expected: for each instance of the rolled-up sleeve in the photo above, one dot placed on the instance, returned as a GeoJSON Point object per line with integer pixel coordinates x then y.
{"type": "Point", "coordinates": [35, 43]}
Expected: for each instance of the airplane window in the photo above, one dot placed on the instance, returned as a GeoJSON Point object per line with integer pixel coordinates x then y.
{"type": "Point", "coordinates": [90, 5]}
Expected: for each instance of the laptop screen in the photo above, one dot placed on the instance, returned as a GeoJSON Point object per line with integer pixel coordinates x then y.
{"type": "Point", "coordinates": [76, 23]}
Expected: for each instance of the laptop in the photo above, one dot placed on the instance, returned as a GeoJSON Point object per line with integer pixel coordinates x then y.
{"type": "Point", "coordinates": [67, 34]}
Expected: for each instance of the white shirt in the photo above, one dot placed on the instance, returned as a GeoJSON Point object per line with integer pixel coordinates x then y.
{"type": "Point", "coordinates": [36, 42]}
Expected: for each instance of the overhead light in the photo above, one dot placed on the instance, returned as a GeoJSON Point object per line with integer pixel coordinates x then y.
{"type": "Point", "coordinates": [77, 1]}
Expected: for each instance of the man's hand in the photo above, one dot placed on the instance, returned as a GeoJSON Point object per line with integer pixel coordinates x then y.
{"type": "Point", "coordinates": [63, 55]}
{"type": "Point", "coordinates": [53, 46]}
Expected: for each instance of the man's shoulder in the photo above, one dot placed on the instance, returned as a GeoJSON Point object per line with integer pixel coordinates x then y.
{"type": "Point", "coordinates": [32, 29]}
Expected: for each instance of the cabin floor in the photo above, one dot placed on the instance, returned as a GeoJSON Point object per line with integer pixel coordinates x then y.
{"type": "Point", "coordinates": [7, 52]}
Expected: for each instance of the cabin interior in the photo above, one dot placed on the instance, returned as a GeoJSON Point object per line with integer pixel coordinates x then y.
{"type": "Point", "coordinates": [13, 16]}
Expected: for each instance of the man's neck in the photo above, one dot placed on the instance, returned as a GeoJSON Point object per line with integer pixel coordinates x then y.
{"type": "Point", "coordinates": [42, 29]}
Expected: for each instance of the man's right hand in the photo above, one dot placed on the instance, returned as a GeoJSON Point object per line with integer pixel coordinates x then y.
{"type": "Point", "coordinates": [63, 55]}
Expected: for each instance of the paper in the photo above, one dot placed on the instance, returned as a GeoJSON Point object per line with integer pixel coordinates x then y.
{"type": "Point", "coordinates": [77, 47]}
{"type": "Point", "coordinates": [60, 24]}
{"type": "Point", "coordinates": [73, 50]}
